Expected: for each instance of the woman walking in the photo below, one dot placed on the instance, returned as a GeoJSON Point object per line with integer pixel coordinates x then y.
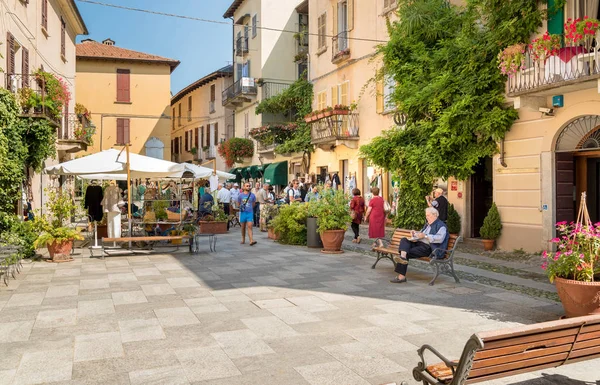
{"type": "Point", "coordinates": [357, 209]}
{"type": "Point", "coordinates": [376, 217]}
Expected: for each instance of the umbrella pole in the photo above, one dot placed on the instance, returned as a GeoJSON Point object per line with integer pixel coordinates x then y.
{"type": "Point", "coordinates": [128, 193]}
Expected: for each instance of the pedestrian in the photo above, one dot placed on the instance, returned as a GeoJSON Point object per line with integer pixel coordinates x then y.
{"type": "Point", "coordinates": [440, 203]}
{"type": "Point", "coordinates": [235, 193]}
{"type": "Point", "coordinates": [247, 201]}
{"type": "Point", "coordinates": [376, 217]}
{"type": "Point", "coordinates": [357, 207]}
{"type": "Point", "coordinates": [265, 200]}
{"type": "Point", "coordinates": [224, 198]}
{"type": "Point", "coordinates": [256, 191]}
{"type": "Point", "coordinates": [313, 195]}
{"type": "Point", "coordinates": [205, 204]}
{"type": "Point", "coordinates": [293, 194]}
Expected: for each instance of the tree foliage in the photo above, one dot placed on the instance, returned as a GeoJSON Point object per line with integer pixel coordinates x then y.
{"type": "Point", "coordinates": [443, 60]}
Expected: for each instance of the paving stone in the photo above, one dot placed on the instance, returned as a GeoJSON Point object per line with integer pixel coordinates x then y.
{"type": "Point", "coordinates": [178, 316]}
{"type": "Point", "coordinates": [7, 376]}
{"type": "Point", "coordinates": [157, 289]}
{"type": "Point", "coordinates": [365, 361]}
{"type": "Point", "coordinates": [27, 299]}
{"type": "Point", "coordinates": [311, 303]}
{"type": "Point", "coordinates": [395, 324]}
{"type": "Point", "coordinates": [98, 346]}
{"type": "Point", "coordinates": [380, 340]}
{"type": "Point", "coordinates": [94, 308]}
{"type": "Point", "coordinates": [129, 297]}
{"type": "Point", "coordinates": [273, 303]}
{"type": "Point", "coordinates": [67, 273]}
{"type": "Point", "coordinates": [141, 330]}
{"type": "Point", "coordinates": [330, 373]}
{"type": "Point", "coordinates": [168, 266]}
{"type": "Point", "coordinates": [146, 271]}
{"type": "Point", "coordinates": [182, 282]}
{"type": "Point", "coordinates": [518, 299]}
{"type": "Point", "coordinates": [56, 318]}
{"type": "Point", "coordinates": [45, 366]}
{"type": "Point", "coordinates": [122, 277]}
{"type": "Point", "coordinates": [62, 291]}
{"type": "Point", "coordinates": [15, 331]}
{"type": "Point", "coordinates": [269, 327]}
{"type": "Point", "coordinates": [208, 363]}
{"type": "Point", "coordinates": [94, 284]}
{"type": "Point", "coordinates": [241, 343]}
{"type": "Point", "coordinates": [294, 315]}
{"type": "Point", "coordinates": [166, 375]}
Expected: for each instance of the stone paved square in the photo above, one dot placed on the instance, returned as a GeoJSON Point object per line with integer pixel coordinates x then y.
{"type": "Point", "coordinates": [246, 315]}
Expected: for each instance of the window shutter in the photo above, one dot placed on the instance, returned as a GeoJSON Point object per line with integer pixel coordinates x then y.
{"type": "Point", "coordinates": [335, 21]}
{"type": "Point", "coordinates": [172, 148]}
{"type": "Point", "coordinates": [207, 135]}
{"type": "Point", "coordinates": [173, 119]}
{"type": "Point", "coordinates": [180, 145]}
{"type": "Point", "coordinates": [254, 24]}
{"type": "Point", "coordinates": [196, 138]}
{"type": "Point", "coordinates": [189, 116]}
{"type": "Point", "coordinates": [45, 14]}
{"type": "Point", "coordinates": [123, 85]}
{"type": "Point", "coordinates": [379, 96]}
{"type": "Point", "coordinates": [126, 131]}
{"type": "Point", "coordinates": [213, 91]}
{"type": "Point", "coordinates": [120, 131]}
{"type": "Point", "coordinates": [201, 129]}
{"type": "Point", "coordinates": [10, 53]}
{"type": "Point", "coordinates": [25, 67]}
{"type": "Point", "coordinates": [187, 143]}
{"type": "Point", "coordinates": [63, 32]}
{"type": "Point", "coordinates": [350, 12]}
{"type": "Point", "coordinates": [344, 94]}
{"type": "Point", "coordinates": [334, 96]}
{"type": "Point", "coordinates": [216, 133]}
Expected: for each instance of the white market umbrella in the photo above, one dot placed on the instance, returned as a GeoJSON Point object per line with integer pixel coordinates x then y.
{"type": "Point", "coordinates": [194, 170]}
{"type": "Point", "coordinates": [113, 161]}
{"type": "Point", "coordinates": [205, 172]}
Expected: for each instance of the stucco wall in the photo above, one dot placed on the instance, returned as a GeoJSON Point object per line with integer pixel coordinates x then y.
{"type": "Point", "coordinates": [150, 96]}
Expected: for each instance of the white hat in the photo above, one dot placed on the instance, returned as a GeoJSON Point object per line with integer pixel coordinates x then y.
{"type": "Point", "coordinates": [236, 185]}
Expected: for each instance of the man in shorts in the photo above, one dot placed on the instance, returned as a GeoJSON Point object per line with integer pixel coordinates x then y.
{"type": "Point", "coordinates": [246, 202]}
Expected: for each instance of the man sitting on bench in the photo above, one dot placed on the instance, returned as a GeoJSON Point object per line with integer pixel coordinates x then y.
{"type": "Point", "coordinates": [434, 235]}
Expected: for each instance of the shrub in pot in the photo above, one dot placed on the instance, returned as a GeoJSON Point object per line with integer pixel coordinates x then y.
{"type": "Point", "coordinates": [453, 222]}
{"type": "Point", "coordinates": [290, 224]}
{"type": "Point", "coordinates": [492, 227]}
{"type": "Point", "coordinates": [333, 216]}
{"type": "Point", "coordinates": [216, 223]}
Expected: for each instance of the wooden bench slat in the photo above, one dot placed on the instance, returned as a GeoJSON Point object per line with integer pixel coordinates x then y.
{"type": "Point", "coordinates": [542, 335]}
{"type": "Point", "coordinates": [148, 238]}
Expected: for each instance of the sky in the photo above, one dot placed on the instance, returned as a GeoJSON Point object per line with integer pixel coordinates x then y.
{"type": "Point", "coordinates": [200, 47]}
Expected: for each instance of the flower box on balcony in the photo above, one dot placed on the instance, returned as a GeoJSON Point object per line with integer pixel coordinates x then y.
{"type": "Point", "coordinates": [328, 112]}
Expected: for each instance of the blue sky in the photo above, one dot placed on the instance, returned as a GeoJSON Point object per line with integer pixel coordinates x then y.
{"type": "Point", "coordinates": [200, 47]}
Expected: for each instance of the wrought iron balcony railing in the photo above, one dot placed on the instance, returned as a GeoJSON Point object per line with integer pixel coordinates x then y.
{"type": "Point", "coordinates": [270, 89]}
{"type": "Point", "coordinates": [569, 65]}
{"type": "Point", "coordinates": [241, 46]}
{"type": "Point", "coordinates": [239, 91]}
{"type": "Point", "coordinates": [340, 48]}
{"type": "Point", "coordinates": [30, 92]}
{"type": "Point", "coordinates": [335, 127]}
{"type": "Point", "coordinates": [265, 147]}
{"type": "Point", "coordinates": [210, 152]}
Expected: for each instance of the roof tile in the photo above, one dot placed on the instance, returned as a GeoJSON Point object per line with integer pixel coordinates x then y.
{"type": "Point", "coordinates": [93, 49]}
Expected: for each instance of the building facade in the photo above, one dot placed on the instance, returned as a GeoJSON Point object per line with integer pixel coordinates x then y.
{"type": "Point", "coordinates": [343, 68]}
{"type": "Point", "coordinates": [265, 62]}
{"type": "Point", "coordinates": [40, 35]}
{"type": "Point", "coordinates": [128, 94]}
{"type": "Point", "coordinates": [200, 121]}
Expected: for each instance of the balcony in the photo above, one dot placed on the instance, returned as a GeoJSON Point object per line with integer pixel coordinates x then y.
{"type": "Point", "coordinates": [74, 134]}
{"type": "Point", "coordinates": [209, 152]}
{"type": "Point", "coordinates": [335, 130]}
{"type": "Point", "coordinates": [241, 46]}
{"type": "Point", "coordinates": [239, 92]}
{"type": "Point", "coordinates": [266, 149]}
{"type": "Point", "coordinates": [30, 92]}
{"type": "Point", "coordinates": [573, 68]}
{"type": "Point", "coordinates": [270, 89]}
{"type": "Point", "coordinates": [341, 50]}
{"type": "Point", "coordinates": [211, 107]}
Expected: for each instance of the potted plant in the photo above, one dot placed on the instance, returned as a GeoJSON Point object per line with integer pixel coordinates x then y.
{"type": "Point", "coordinates": [545, 46]}
{"type": "Point", "coordinates": [289, 226]}
{"type": "Point", "coordinates": [453, 221]}
{"type": "Point", "coordinates": [575, 265]}
{"type": "Point", "coordinates": [24, 95]}
{"type": "Point", "coordinates": [234, 150]}
{"type": "Point", "coordinates": [320, 114]}
{"type": "Point", "coordinates": [327, 112]}
{"type": "Point", "coordinates": [52, 227]}
{"type": "Point", "coordinates": [512, 59]}
{"type": "Point", "coordinates": [491, 229]}
{"type": "Point", "coordinates": [581, 32]}
{"type": "Point", "coordinates": [333, 217]}
{"type": "Point", "coordinates": [216, 223]}
{"type": "Point", "coordinates": [340, 109]}
{"type": "Point", "coordinates": [270, 212]}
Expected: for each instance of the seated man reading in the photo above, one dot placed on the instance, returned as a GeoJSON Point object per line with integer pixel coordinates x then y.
{"type": "Point", "coordinates": [434, 235]}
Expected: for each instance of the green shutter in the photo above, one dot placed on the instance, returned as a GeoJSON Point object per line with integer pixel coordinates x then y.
{"type": "Point", "coordinates": [556, 18]}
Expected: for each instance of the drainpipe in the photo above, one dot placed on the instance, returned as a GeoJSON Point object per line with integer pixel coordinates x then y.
{"type": "Point", "coordinates": [502, 162]}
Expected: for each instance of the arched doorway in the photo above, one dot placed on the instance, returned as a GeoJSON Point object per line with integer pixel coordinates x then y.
{"type": "Point", "coordinates": [155, 148]}
{"type": "Point", "coordinates": [578, 167]}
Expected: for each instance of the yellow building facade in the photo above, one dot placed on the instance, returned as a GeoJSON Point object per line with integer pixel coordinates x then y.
{"type": "Point", "coordinates": [200, 121]}
{"type": "Point", "coordinates": [129, 96]}
{"type": "Point", "coordinates": [343, 68]}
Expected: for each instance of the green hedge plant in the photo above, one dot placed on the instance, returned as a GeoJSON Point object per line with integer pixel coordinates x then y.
{"type": "Point", "coordinates": [290, 224]}
{"type": "Point", "coordinates": [492, 226]}
{"type": "Point", "coordinates": [331, 210]}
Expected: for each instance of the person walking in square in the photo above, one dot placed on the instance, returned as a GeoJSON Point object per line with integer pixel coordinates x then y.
{"type": "Point", "coordinates": [224, 199]}
{"type": "Point", "coordinates": [376, 217]}
{"type": "Point", "coordinates": [357, 205]}
{"type": "Point", "coordinates": [247, 202]}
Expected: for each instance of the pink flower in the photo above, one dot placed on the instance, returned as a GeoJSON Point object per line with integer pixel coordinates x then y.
{"type": "Point", "coordinates": [544, 254]}
{"type": "Point", "coordinates": [555, 240]}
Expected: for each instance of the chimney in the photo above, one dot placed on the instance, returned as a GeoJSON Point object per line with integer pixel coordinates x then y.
{"type": "Point", "coordinates": [108, 42]}
{"type": "Point", "coordinates": [86, 40]}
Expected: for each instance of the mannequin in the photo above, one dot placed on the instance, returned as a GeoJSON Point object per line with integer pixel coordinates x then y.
{"type": "Point", "coordinates": [112, 196]}
{"type": "Point", "coordinates": [93, 201]}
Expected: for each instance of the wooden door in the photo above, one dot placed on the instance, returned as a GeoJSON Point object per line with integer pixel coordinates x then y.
{"type": "Point", "coordinates": [565, 183]}
{"type": "Point", "coordinates": [482, 194]}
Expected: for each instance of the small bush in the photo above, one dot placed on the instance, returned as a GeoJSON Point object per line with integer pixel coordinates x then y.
{"type": "Point", "coordinates": [492, 226]}
{"type": "Point", "coordinates": [453, 220]}
{"type": "Point", "coordinates": [290, 224]}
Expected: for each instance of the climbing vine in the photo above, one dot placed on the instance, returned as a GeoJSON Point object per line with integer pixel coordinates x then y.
{"type": "Point", "coordinates": [297, 100]}
{"type": "Point", "coordinates": [443, 59]}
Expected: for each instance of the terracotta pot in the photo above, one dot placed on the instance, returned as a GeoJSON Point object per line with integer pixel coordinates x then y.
{"type": "Point", "coordinates": [578, 298]}
{"type": "Point", "coordinates": [320, 115]}
{"type": "Point", "coordinates": [272, 234]}
{"type": "Point", "coordinates": [488, 244]}
{"type": "Point", "coordinates": [213, 227]}
{"type": "Point", "coordinates": [308, 118]}
{"type": "Point", "coordinates": [327, 114]}
{"type": "Point", "coordinates": [60, 251]}
{"type": "Point", "coordinates": [340, 112]}
{"type": "Point", "coordinates": [332, 241]}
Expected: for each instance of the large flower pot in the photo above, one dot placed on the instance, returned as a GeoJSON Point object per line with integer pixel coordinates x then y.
{"type": "Point", "coordinates": [271, 234]}
{"type": "Point", "coordinates": [332, 241]}
{"type": "Point", "coordinates": [313, 238]}
{"type": "Point", "coordinates": [488, 244]}
{"type": "Point", "coordinates": [578, 298]}
{"type": "Point", "coordinates": [213, 227]}
{"type": "Point", "coordinates": [60, 251]}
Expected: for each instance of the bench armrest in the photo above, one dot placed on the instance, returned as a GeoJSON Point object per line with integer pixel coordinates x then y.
{"type": "Point", "coordinates": [446, 361]}
{"type": "Point", "coordinates": [387, 240]}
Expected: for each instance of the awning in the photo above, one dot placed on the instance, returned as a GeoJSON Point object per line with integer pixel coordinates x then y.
{"type": "Point", "coordinates": [261, 169]}
{"type": "Point", "coordinates": [253, 171]}
{"type": "Point", "coordinates": [238, 176]}
{"type": "Point", "coordinates": [245, 172]}
{"type": "Point", "coordinates": [277, 174]}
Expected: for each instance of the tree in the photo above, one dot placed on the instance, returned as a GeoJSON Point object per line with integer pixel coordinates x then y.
{"type": "Point", "coordinates": [443, 60]}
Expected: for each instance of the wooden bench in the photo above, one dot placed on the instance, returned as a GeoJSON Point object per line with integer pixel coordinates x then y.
{"type": "Point", "coordinates": [438, 265]}
{"type": "Point", "coordinates": [150, 239]}
{"type": "Point", "coordinates": [503, 353]}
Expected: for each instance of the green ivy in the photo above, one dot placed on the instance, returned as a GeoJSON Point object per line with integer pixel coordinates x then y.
{"type": "Point", "coordinates": [443, 60]}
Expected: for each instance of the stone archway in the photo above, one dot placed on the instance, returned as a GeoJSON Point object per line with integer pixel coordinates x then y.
{"type": "Point", "coordinates": [155, 148]}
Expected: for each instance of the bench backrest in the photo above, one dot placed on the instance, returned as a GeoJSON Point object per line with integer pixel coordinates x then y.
{"type": "Point", "coordinates": [401, 233]}
{"type": "Point", "coordinates": [506, 352]}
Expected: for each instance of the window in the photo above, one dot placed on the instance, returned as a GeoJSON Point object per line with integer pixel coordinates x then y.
{"type": "Point", "coordinates": [189, 116]}
{"type": "Point", "coordinates": [45, 14]}
{"type": "Point", "coordinates": [322, 32]}
{"type": "Point", "coordinates": [10, 53]}
{"type": "Point", "coordinates": [388, 5]}
{"type": "Point", "coordinates": [388, 89]}
{"type": "Point", "coordinates": [173, 120]}
{"type": "Point", "coordinates": [580, 8]}
{"type": "Point", "coordinates": [123, 86]}
{"type": "Point", "coordinates": [342, 26]}
{"type": "Point", "coordinates": [246, 124]}
{"type": "Point", "coordinates": [201, 130]}
{"type": "Point", "coordinates": [122, 131]}
{"type": "Point", "coordinates": [179, 115]}
{"type": "Point", "coordinates": [246, 69]}
{"type": "Point", "coordinates": [321, 100]}
{"type": "Point", "coordinates": [339, 94]}
{"type": "Point", "coordinates": [213, 92]}
{"type": "Point", "coordinates": [254, 29]}
{"type": "Point", "coordinates": [63, 33]}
